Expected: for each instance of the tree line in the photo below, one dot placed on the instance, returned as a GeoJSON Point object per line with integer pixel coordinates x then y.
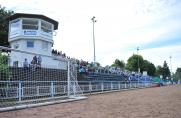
{"type": "Point", "coordinates": [137, 61]}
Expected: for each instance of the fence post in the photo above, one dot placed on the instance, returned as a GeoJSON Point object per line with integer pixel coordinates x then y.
{"type": "Point", "coordinates": [74, 88]}
{"type": "Point", "coordinates": [111, 86]}
{"type": "Point", "coordinates": [64, 89]}
{"type": "Point", "coordinates": [19, 91]}
{"type": "Point", "coordinates": [119, 85]}
{"type": "Point", "coordinates": [90, 87]}
{"type": "Point", "coordinates": [37, 90]}
{"type": "Point", "coordinates": [52, 89]}
{"type": "Point", "coordinates": [102, 86]}
{"type": "Point", "coordinates": [22, 91]}
{"type": "Point", "coordinates": [134, 84]}
{"type": "Point", "coordinates": [130, 86]}
{"type": "Point", "coordinates": [142, 84]}
{"type": "Point", "coordinates": [125, 84]}
{"type": "Point", "coordinates": [68, 81]}
{"type": "Point", "coordinates": [83, 88]}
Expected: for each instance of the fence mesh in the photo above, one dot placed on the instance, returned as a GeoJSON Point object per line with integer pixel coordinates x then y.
{"type": "Point", "coordinates": [34, 81]}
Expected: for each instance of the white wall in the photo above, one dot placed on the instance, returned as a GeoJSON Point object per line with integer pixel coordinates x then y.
{"type": "Point", "coordinates": [47, 62]}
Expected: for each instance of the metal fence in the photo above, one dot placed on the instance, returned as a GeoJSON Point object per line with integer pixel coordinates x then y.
{"type": "Point", "coordinates": [14, 93]}
{"type": "Point", "coordinates": [30, 78]}
{"type": "Point", "coordinates": [108, 86]}
{"type": "Point", "coordinates": [27, 92]}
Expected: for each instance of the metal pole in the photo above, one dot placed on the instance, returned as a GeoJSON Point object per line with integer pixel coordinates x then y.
{"type": "Point", "coordinates": [19, 91]}
{"type": "Point", "coordinates": [94, 44]}
{"type": "Point", "coordinates": [90, 87]}
{"type": "Point", "coordinates": [102, 86]}
{"type": "Point", "coordinates": [171, 65]}
{"type": "Point", "coordinates": [93, 20]}
{"type": "Point", "coordinates": [52, 89]}
{"type": "Point", "coordinates": [138, 64]}
{"type": "Point", "coordinates": [171, 69]}
{"type": "Point", "coordinates": [68, 81]}
{"type": "Point", "coordinates": [138, 60]}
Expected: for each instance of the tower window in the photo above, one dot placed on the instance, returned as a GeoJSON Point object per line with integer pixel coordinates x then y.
{"type": "Point", "coordinates": [14, 26]}
{"type": "Point", "coordinates": [30, 44]}
{"type": "Point", "coordinates": [30, 24]}
{"type": "Point", "coordinates": [46, 27]}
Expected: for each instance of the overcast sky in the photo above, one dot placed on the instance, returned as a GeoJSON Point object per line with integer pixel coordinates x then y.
{"type": "Point", "coordinates": [122, 25]}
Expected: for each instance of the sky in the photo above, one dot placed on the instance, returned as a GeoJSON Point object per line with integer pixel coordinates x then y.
{"type": "Point", "coordinates": [122, 25]}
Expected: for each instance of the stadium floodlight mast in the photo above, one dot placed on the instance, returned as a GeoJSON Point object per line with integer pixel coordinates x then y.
{"type": "Point", "coordinates": [171, 65]}
{"type": "Point", "coordinates": [93, 21]}
{"type": "Point", "coordinates": [138, 60]}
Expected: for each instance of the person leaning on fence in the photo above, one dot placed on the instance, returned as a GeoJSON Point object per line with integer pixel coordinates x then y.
{"type": "Point", "coordinates": [34, 63]}
{"type": "Point", "coordinates": [34, 60]}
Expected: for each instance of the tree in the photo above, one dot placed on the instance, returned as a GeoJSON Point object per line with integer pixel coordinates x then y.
{"type": "Point", "coordinates": [132, 63]}
{"type": "Point", "coordinates": [119, 64]}
{"type": "Point", "coordinates": [137, 60]}
{"type": "Point", "coordinates": [149, 67]}
{"type": "Point", "coordinates": [158, 70]}
{"type": "Point", "coordinates": [177, 75]}
{"type": "Point", "coordinates": [4, 25]}
{"type": "Point", "coordinates": [4, 70]}
{"type": "Point", "coordinates": [165, 70]}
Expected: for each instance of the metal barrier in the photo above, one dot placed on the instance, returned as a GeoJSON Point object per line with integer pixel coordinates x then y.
{"type": "Point", "coordinates": [104, 86]}
{"type": "Point", "coordinates": [13, 93]}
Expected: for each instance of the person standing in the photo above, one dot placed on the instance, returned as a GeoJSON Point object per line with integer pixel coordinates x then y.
{"type": "Point", "coordinates": [35, 60]}
{"type": "Point", "coordinates": [39, 60]}
{"type": "Point", "coordinates": [25, 64]}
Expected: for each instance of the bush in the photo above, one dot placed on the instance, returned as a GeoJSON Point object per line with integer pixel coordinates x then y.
{"type": "Point", "coordinates": [4, 69]}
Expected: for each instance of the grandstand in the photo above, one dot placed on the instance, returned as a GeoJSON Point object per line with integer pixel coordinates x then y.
{"type": "Point", "coordinates": [93, 76]}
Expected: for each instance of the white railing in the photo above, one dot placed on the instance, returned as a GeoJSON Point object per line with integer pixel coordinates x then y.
{"type": "Point", "coordinates": [20, 92]}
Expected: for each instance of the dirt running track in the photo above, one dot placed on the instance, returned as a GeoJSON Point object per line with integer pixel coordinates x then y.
{"type": "Point", "coordinates": [160, 102]}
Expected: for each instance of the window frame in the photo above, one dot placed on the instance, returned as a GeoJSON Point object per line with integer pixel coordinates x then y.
{"type": "Point", "coordinates": [35, 25]}
{"type": "Point", "coordinates": [30, 46]}
{"type": "Point", "coordinates": [15, 22]}
{"type": "Point", "coordinates": [43, 28]}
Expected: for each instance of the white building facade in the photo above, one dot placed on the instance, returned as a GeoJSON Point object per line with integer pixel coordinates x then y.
{"type": "Point", "coordinates": [33, 34]}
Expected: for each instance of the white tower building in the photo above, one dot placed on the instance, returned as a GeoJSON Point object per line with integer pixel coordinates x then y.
{"type": "Point", "coordinates": [32, 33]}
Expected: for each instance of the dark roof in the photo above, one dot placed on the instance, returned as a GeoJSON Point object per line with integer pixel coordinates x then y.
{"type": "Point", "coordinates": [23, 15]}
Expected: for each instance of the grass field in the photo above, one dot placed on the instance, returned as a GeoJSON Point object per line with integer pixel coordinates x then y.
{"type": "Point", "coordinates": [159, 102]}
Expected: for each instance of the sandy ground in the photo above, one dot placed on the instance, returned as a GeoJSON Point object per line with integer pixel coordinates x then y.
{"type": "Point", "coordinates": [160, 102]}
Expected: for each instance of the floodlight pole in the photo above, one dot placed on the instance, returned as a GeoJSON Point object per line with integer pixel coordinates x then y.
{"type": "Point", "coordinates": [93, 21]}
{"type": "Point", "coordinates": [138, 60]}
{"type": "Point", "coordinates": [171, 65]}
